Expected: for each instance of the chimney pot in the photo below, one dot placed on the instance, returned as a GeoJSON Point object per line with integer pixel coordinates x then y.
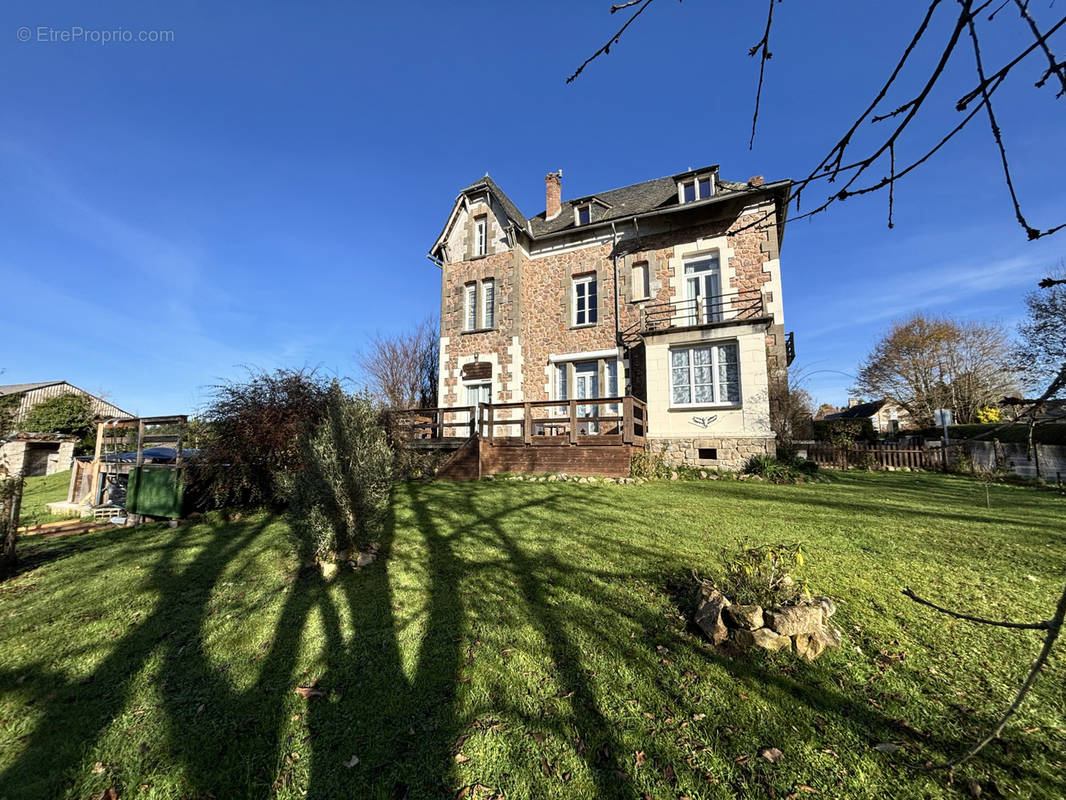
{"type": "Point", "coordinates": [553, 194]}
{"type": "Point", "coordinates": [756, 180]}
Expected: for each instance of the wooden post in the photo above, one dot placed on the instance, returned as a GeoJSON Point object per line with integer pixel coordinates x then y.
{"type": "Point", "coordinates": [492, 422]}
{"type": "Point", "coordinates": [627, 419]}
{"type": "Point", "coordinates": [573, 422]}
{"type": "Point", "coordinates": [527, 426]}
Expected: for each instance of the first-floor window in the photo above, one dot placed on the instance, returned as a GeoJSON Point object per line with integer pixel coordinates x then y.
{"type": "Point", "coordinates": [488, 303]}
{"type": "Point", "coordinates": [585, 310]}
{"type": "Point", "coordinates": [470, 307]}
{"type": "Point", "coordinates": [705, 375]}
{"type": "Point", "coordinates": [478, 393]}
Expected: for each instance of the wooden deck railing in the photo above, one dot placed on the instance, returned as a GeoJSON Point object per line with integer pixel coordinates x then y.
{"type": "Point", "coordinates": [599, 421]}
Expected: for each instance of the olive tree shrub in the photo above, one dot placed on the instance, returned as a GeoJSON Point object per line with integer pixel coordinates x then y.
{"type": "Point", "coordinates": [338, 496]}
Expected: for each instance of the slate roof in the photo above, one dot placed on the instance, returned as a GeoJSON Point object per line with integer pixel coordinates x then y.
{"type": "Point", "coordinates": [622, 203]}
{"type": "Point", "coordinates": [19, 388]}
{"type": "Point", "coordinates": [861, 411]}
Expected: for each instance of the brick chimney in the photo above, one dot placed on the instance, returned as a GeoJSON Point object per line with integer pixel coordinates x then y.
{"type": "Point", "coordinates": [756, 180]}
{"type": "Point", "coordinates": [852, 402]}
{"type": "Point", "coordinates": [553, 194]}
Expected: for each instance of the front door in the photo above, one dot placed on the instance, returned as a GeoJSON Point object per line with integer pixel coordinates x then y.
{"type": "Point", "coordinates": [703, 291]}
{"type": "Point", "coordinates": [587, 387]}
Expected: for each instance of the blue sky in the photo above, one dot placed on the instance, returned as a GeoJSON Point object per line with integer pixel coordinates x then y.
{"type": "Point", "coordinates": [262, 190]}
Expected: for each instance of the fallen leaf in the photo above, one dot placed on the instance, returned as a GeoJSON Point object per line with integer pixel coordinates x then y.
{"type": "Point", "coordinates": [98, 768]}
{"type": "Point", "coordinates": [805, 788]}
{"type": "Point", "coordinates": [352, 761]}
{"type": "Point", "coordinates": [886, 747]}
{"type": "Point", "coordinates": [109, 793]}
{"type": "Point", "coordinates": [545, 767]}
{"type": "Point", "coordinates": [200, 709]}
{"type": "Point", "coordinates": [771, 754]}
{"type": "Point", "coordinates": [640, 757]}
{"type": "Point", "coordinates": [698, 717]}
{"type": "Point", "coordinates": [461, 759]}
{"type": "Point", "coordinates": [669, 774]}
{"type": "Point", "coordinates": [307, 692]}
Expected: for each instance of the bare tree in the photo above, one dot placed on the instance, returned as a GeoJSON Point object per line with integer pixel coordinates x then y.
{"type": "Point", "coordinates": [791, 409]}
{"type": "Point", "coordinates": [1041, 348]}
{"type": "Point", "coordinates": [401, 370]}
{"type": "Point", "coordinates": [866, 173]}
{"type": "Point", "coordinates": [925, 363]}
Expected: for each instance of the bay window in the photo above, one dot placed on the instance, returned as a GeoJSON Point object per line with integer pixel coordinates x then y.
{"type": "Point", "coordinates": [705, 375]}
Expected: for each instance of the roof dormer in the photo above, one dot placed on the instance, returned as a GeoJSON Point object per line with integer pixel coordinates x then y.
{"type": "Point", "coordinates": [695, 185]}
{"type": "Point", "coordinates": [588, 210]}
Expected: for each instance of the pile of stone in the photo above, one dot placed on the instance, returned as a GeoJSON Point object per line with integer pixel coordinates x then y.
{"type": "Point", "coordinates": [803, 628]}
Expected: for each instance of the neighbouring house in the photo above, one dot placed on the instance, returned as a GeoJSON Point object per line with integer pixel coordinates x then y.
{"type": "Point", "coordinates": [664, 296]}
{"type": "Point", "coordinates": [886, 417]}
{"type": "Point", "coordinates": [40, 452]}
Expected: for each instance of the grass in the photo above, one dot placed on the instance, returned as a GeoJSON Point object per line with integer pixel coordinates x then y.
{"type": "Point", "coordinates": [38, 492]}
{"type": "Point", "coordinates": [529, 638]}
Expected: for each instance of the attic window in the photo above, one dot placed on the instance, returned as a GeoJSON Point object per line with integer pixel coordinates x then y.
{"type": "Point", "coordinates": [693, 189]}
{"type": "Point", "coordinates": [481, 241]}
{"type": "Point", "coordinates": [584, 214]}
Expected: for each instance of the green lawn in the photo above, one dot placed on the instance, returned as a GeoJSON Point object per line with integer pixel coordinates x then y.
{"type": "Point", "coordinates": [526, 637]}
{"type": "Point", "coordinates": [38, 492]}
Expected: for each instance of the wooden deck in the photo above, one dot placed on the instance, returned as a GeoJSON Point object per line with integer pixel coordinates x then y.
{"type": "Point", "coordinates": [581, 437]}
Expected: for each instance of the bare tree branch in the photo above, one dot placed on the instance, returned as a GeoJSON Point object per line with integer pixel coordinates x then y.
{"type": "Point", "coordinates": [762, 45]}
{"type": "Point", "coordinates": [1032, 626]}
{"type": "Point", "coordinates": [1058, 69]}
{"type": "Point", "coordinates": [606, 49]}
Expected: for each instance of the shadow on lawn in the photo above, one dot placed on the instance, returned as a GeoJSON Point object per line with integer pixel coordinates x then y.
{"type": "Point", "coordinates": [395, 712]}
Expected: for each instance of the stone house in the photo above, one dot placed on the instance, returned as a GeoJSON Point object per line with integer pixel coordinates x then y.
{"type": "Point", "coordinates": [886, 418]}
{"type": "Point", "coordinates": [667, 291]}
{"type": "Point", "coordinates": [39, 452]}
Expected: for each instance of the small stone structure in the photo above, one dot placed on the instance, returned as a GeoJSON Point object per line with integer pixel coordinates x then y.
{"type": "Point", "coordinates": [36, 454]}
{"type": "Point", "coordinates": [803, 628]}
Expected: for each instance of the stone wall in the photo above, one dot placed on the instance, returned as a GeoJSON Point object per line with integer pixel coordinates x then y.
{"type": "Point", "coordinates": [732, 452]}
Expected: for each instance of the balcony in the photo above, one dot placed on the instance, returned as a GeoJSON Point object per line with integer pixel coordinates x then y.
{"type": "Point", "coordinates": [701, 312]}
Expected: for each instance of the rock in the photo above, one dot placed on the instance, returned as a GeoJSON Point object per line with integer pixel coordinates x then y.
{"type": "Point", "coordinates": [673, 475]}
{"type": "Point", "coordinates": [793, 620]}
{"type": "Point", "coordinates": [747, 617]}
{"type": "Point", "coordinates": [329, 569]}
{"type": "Point", "coordinates": [709, 614]}
{"type": "Point", "coordinates": [815, 647]}
{"type": "Point", "coordinates": [768, 640]}
{"type": "Point", "coordinates": [703, 474]}
{"type": "Point", "coordinates": [829, 608]}
{"type": "Point", "coordinates": [365, 559]}
{"type": "Point", "coordinates": [802, 643]}
{"type": "Point", "coordinates": [553, 478]}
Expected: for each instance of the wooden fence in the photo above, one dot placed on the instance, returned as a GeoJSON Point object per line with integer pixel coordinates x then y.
{"type": "Point", "coordinates": [883, 455]}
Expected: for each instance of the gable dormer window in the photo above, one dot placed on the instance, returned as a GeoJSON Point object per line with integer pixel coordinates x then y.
{"type": "Point", "coordinates": [481, 236]}
{"type": "Point", "coordinates": [584, 214]}
{"type": "Point", "coordinates": [699, 187]}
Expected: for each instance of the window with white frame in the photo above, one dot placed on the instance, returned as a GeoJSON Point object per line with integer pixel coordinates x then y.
{"type": "Point", "coordinates": [479, 392]}
{"type": "Point", "coordinates": [641, 281]}
{"type": "Point", "coordinates": [705, 375]}
{"type": "Point", "coordinates": [470, 307]}
{"type": "Point", "coordinates": [585, 300]}
{"type": "Point", "coordinates": [697, 188]}
{"type": "Point", "coordinates": [481, 236]}
{"type": "Point", "coordinates": [488, 303]}
{"type": "Point", "coordinates": [584, 214]}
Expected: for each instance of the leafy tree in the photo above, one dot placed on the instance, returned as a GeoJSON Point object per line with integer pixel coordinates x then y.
{"type": "Point", "coordinates": [402, 370]}
{"type": "Point", "coordinates": [9, 405]}
{"type": "Point", "coordinates": [338, 496]}
{"type": "Point", "coordinates": [825, 409]}
{"type": "Point", "coordinates": [251, 436]}
{"type": "Point", "coordinates": [925, 363]}
{"type": "Point", "coordinates": [67, 413]}
{"type": "Point", "coordinates": [1041, 350]}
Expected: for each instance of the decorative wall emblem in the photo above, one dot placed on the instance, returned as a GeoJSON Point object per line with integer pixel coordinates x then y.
{"type": "Point", "coordinates": [703, 422]}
